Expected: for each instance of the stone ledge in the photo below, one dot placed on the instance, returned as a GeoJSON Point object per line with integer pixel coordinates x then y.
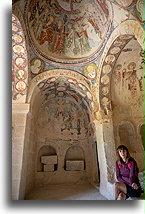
{"type": "Point", "coordinates": [74, 165]}
{"type": "Point", "coordinates": [52, 159]}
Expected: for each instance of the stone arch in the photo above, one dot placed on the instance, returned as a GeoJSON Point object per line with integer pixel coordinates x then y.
{"type": "Point", "coordinates": [60, 140]}
{"type": "Point", "coordinates": [19, 62]}
{"type": "Point", "coordinates": [126, 133]}
{"type": "Point", "coordinates": [117, 41]}
{"type": "Point", "coordinates": [57, 73]}
{"type": "Point", "coordinates": [45, 151]}
{"type": "Point", "coordinates": [81, 80]}
{"type": "Point", "coordinates": [74, 157]}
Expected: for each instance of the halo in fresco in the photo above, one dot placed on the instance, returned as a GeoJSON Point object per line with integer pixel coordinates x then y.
{"type": "Point", "coordinates": [106, 69]}
{"type": "Point", "coordinates": [20, 62]}
{"type": "Point", "coordinates": [17, 38]}
{"type": "Point", "coordinates": [68, 29]}
{"type": "Point", "coordinates": [15, 28]}
{"type": "Point", "coordinates": [36, 66]}
{"type": "Point", "coordinates": [118, 66]}
{"type": "Point", "coordinates": [105, 90]}
{"type": "Point", "coordinates": [90, 71]}
{"type": "Point", "coordinates": [105, 101]}
{"type": "Point", "coordinates": [18, 49]}
{"type": "Point", "coordinates": [131, 66]}
{"type": "Point", "coordinates": [20, 85]}
{"type": "Point", "coordinates": [105, 80]}
{"type": "Point", "coordinates": [21, 74]}
{"type": "Point", "coordinates": [110, 58]}
{"type": "Point", "coordinates": [140, 10]}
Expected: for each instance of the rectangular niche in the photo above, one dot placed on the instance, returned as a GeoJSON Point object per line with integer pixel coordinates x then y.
{"type": "Point", "coordinates": [51, 159]}
{"type": "Point", "coordinates": [49, 163]}
{"type": "Point", "coordinates": [74, 165]}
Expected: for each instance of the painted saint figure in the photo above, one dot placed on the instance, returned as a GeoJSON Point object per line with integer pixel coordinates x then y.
{"type": "Point", "coordinates": [72, 43]}
{"type": "Point", "coordinates": [59, 38]}
{"type": "Point", "coordinates": [92, 32]}
{"type": "Point", "coordinates": [47, 34]}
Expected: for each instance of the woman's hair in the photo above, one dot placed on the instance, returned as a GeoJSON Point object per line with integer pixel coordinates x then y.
{"type": "Point", "coordinates": [122, 147]}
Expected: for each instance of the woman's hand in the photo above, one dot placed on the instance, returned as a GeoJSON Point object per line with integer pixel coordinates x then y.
{"type": "Point", "coordinates": [134, 186]}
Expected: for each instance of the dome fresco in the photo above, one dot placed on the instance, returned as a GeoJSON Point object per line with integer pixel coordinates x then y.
{"type": "Point", "coordinates": [125, 3]}
{"type": "Point", "coordinates": [68, 29]}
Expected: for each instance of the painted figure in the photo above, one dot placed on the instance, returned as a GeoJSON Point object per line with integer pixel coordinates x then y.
{"type": "Point", "coordinates": [90, 71]}
{"type": "Point", "coordinates": [92, 33]}
{"type": "Point", "coordinates": [36, 66]}
{"type": "Point", "coordinates": [72, 41]}
{"type": "Point", "coordinates": [59, 38]}
{"type": "Point", "coordinates": [47, 34]}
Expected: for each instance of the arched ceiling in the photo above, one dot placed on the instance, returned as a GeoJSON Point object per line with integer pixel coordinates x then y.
{"type": "Point", "coordinates": [68, 29]}
{"type": "Point", "coordinates": [65, 108]}
{"type": "Point", "coordinates": [62, 87]}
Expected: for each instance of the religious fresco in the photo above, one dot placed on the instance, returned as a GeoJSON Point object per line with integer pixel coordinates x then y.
{"type": "Point", "coordinates": [140, 10]}
{"type": "Point", "coordinates": [62, 86]}
{"type": "Point", "coordinates": [124, 3]}
{"type": "Point", "coordinates": [66, 109]}
{"type": "Point", "coordinates": [90, 71]}
{"type": "Point", "coordinates": [68, 29]}
{"type": "Point", "coordinates": [135, 7]}
{"type": "Point", "coordinates": [36, 66]}
{"type": "Point", "coordinates": [64, 118]}
{"type": "Point", "coordinates": [19, 60]}
{"type": "Point", "coordinates": [109, 62]}
{"type": "Point", "coordinates": [128, 77]}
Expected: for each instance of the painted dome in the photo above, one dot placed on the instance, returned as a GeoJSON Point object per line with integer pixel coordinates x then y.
{"type": "Point", "coordinates": [68, 29]}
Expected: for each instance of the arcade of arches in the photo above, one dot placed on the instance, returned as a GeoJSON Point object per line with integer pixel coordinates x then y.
{"type": "Point", "coordinates": [77, 91]}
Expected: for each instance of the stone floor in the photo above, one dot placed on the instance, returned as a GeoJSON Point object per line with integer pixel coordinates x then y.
{"type": "Point", "coordinates": [66, 192]}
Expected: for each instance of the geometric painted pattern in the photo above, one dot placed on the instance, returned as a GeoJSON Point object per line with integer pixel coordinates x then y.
{"type": "Point", "coordinates": [107, 69]}
{"type": "Point", "coordinates": [19, 60]}
{"type": "Point", "coordinates": [62, 86]}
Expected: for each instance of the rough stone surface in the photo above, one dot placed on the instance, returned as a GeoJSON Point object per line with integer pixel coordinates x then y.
{"type": "Point", "coordinates": [48, 167]}
{"type": "Point", "coordinates": [49, 159]}
{"type": "Point", "coordinates": [66, 192]}
{"type": "Point", "coordinates": [82, 95]}
{"type": "Point", "coordinates": [74, 165]}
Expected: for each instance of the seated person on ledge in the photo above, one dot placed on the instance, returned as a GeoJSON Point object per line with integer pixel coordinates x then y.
{"type": "Point", "coordinates": [127, 175]}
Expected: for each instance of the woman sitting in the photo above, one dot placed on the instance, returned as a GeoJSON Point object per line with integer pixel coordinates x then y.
{"type": "Point", "coordinates": [127, 175]}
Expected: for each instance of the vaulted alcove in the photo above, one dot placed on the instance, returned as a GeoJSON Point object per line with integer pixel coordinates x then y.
{"type": "Point", "coordinates": [127, 98]}
{"type": "Point", "coordinates": [77, 93]}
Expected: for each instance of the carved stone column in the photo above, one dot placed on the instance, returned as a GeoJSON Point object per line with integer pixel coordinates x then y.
{"type": "Point", "coordinates": [106, 152]}
{"type": "Point", "coordinates": [19, 116]}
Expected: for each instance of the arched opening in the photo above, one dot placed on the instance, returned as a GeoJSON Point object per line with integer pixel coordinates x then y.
{"type": "Point", "coordinates": [127, 98]}
{"type": "Point", "coordinates": [125, 46]}
{"type": "Point", "coordinates": [62, 129]}
{"type": "Point", "coordinates": [74, 159]}
{"type": "Point", "coordinates": [85, 85]}
{"type": "Point", "coordinates": [47, 159]}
